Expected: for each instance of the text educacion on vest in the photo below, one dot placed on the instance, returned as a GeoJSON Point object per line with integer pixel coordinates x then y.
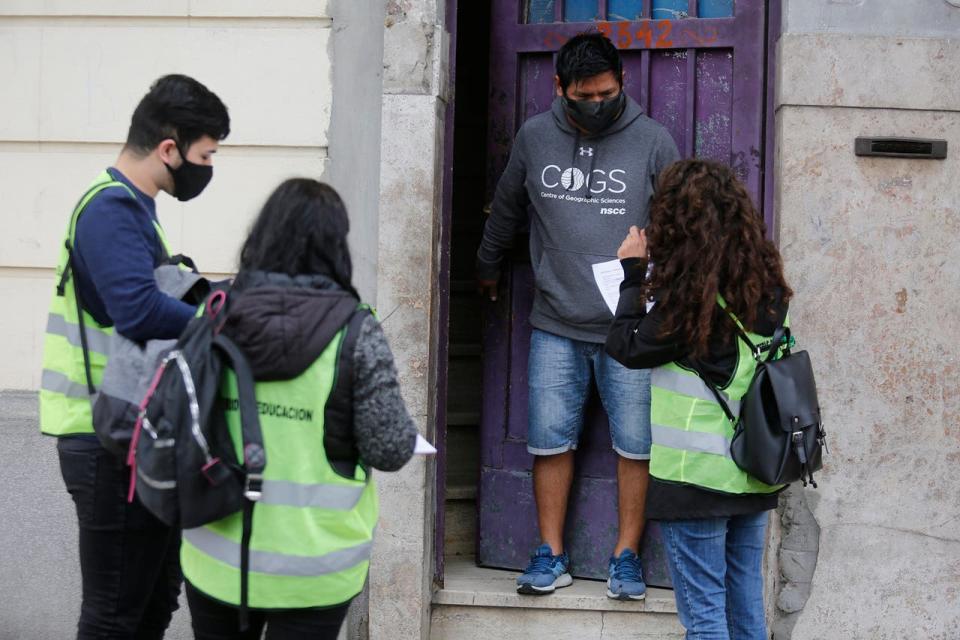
{"type": "Point", "coordinates": [275, 410]}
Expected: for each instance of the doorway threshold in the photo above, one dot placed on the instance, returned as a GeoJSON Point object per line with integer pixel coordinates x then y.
{"type": "Point", "coordinates": [467, 585]}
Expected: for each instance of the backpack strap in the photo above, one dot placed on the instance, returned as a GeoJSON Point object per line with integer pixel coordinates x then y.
{"type": "Point", "coordinates": [716, 392]}
{"type": "Point", "coordinates": [70, 269]}
{"type": "Point", "coordinates": [254, 458]}
{"type": "Point", "coordinates": [780, 336]}
{"type": "Point", "coordinates": [80, 322]}
{"type": "Point", "coordinates": [338, 440]}
{"type": "Point", "coordinates": [181, 259]}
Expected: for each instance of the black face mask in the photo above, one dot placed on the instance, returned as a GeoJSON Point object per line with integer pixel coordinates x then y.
{"type": "Point", "coordinates": [594, 117]}
{"type": "Point", "coordinates": [189, 179]}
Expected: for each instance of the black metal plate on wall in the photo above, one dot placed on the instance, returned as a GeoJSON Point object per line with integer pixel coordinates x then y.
{"type": "Point", "coordinates": [917, 148]}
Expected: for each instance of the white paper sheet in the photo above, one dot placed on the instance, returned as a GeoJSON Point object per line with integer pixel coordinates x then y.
{"type": "Point", "coordinates": [608, 276]}
{"type": "Point", "coordinates": [423, 447]}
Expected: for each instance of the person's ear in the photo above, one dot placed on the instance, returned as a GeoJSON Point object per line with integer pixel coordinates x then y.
{"type": "Point", "coordinates": [556, 84]}
{"type": "Point", "coordinates": [168, 153]}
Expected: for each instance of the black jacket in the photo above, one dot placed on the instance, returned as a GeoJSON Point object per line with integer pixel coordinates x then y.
{"type": "Point", "coordinates": [634, 340]}
{"type": "Point", "coordinates": [284, 323]}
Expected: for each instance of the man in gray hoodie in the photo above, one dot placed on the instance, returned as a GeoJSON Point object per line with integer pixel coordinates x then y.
{"type": "Point", "coordinates": [582, 174]}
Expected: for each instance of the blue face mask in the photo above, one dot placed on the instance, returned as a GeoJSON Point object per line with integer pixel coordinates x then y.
{"type": "Point", "coordinates": [594, 117]}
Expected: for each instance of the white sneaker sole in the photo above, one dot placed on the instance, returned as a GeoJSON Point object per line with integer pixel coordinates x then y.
{"type": "Point", "coordinates": [623, 596]}
{"type": "Point", "coordinates": [564, 580]}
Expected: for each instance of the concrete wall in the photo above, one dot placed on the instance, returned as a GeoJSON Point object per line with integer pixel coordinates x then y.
{"type": "Point", "coordinates": [414, 93]}
{"type": "Point", "coordinates": [72, 74]}
{"type": "Point", "coordinates": [354, 151]}
{"type": "Point", "coordinates": [870, 248]}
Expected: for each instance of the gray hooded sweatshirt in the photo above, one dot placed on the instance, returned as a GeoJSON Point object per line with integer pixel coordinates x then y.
{"type": "Point", "coordinates": [580, 194]}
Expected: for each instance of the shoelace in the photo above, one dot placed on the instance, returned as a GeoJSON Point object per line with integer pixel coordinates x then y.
{"type": "Point", "coordinates": [627, 570]}
{"type": "Point", "coordinates": [540, 564]}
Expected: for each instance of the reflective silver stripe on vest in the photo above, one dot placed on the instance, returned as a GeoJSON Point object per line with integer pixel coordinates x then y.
{"type": "Point", "coordinates": [228, 552]}
{"type": "Point", "coordinates": [97, 340]}
{"type": "Point", "coordinates": [58, 383]}
{"type": "Point", "coordinates": [153, 482]}
{"type": "Point", "coordinates": [322, 496]}
{"type": "Point", "coordinates": [690, 440]}
{"type": "Point", "coordinates": [689, 385]}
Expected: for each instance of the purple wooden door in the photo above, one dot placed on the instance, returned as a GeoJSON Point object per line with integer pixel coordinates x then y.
{"type": "Point", "coordinates": [697, 67]}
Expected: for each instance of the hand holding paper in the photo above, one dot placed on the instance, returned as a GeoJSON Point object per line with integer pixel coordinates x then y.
{"type": "Point", "coordinates": [608, 276]}
{"type": "Point", "coordinates": [634, 245]}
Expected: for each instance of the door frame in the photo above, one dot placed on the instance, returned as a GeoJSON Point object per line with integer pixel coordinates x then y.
{"type": "Point", "coordinates": [767, 204]}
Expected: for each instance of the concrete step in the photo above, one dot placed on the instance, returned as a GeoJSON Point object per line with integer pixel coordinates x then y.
{"type": "Point", "coordinates": [480, 603]}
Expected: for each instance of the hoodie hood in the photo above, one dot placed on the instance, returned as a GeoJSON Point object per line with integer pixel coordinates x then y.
{"type": "Point", "coordinates": [282, 323]}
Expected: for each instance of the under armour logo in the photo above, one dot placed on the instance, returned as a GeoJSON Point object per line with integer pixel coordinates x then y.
{"type": "Point", "coordinates": [586, 151]}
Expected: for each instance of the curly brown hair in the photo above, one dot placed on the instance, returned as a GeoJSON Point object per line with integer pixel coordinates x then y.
{"type": "Point", "coordinates": [705, 237]}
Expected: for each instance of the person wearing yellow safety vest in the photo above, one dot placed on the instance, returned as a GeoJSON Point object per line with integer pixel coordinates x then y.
{"type": "Point", "coordinates": [105, 283]}
{"type": "Point", "coordinates": [711, 268]}
{"type": "Point", "coordinates": [330, 411]}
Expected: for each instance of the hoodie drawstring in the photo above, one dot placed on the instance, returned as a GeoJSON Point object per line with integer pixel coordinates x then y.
{"type": "Point", "coordinates": [573, 162]}
{"type": "Point", "coordinates": [593, 161]}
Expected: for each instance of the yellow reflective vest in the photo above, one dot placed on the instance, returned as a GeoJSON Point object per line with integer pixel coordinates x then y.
{"type": "Point", "coordinates": [691, 434]}
{"type": "Point", "coordinates": [65, 390]}
{"type": "Point", "coordinates": [312, 529]}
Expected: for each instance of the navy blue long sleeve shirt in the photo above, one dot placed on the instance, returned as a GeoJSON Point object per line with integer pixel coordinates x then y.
{"type": "Point", "coordinates": [117, 248]}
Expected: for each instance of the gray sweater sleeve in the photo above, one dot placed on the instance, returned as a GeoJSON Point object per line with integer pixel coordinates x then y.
{"type": "Point", "coordinates": [665, 155]}
{"type": "Point", "coordinates": [384, 432]}
{"type": "Point", "coordinates": [507, 214]}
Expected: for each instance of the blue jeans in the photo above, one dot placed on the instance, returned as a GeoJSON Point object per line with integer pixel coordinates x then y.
{"type": "Point", "coordinates": [559, 373]}
{"type": "Point", "coordinates": [716, 567]}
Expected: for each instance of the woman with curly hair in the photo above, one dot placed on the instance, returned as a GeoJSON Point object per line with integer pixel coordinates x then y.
{"type": "Point", "coordinates": [713, 275]}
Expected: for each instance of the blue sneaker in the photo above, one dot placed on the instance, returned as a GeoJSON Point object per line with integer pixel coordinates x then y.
{"type": "Point", "coordinates": [626, 578]}
{"type": "Point", "coordinates": [545, 573]}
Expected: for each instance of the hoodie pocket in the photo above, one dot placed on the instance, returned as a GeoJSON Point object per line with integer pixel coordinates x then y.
{"type": "Point", "coordinates": [567, 290]}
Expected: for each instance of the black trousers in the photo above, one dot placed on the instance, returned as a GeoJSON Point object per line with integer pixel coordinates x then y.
{"type": "Point", "coordinates": [214, 620]}
{"type": "Point", "coordinates": [129, 560]}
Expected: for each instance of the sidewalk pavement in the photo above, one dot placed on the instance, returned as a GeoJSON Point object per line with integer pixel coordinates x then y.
{"type": "Point", "coordinates": [39, 566]}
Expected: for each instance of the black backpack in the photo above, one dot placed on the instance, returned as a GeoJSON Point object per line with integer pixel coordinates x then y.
{"type": "Point", "coordinates": [778, 437]}
{"type": "Point", "coordinates": [182, 458]}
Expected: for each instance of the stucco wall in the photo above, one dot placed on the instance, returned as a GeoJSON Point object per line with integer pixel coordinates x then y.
{"type": "Point", "coordinates": [870, 248]}
{"type": "Point", "coordinates": [72, 74]}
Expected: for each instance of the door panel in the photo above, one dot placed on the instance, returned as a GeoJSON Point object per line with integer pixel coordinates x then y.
{"type": "Point", "coordinates": [697, 68]}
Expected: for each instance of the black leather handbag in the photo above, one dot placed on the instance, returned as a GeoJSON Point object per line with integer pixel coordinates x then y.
{"type": "Point", "coordinates": [778, 437]}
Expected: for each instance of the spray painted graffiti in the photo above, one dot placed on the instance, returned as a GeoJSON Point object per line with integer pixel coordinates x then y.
{"type": "Point", "coordinates": [643, 34]}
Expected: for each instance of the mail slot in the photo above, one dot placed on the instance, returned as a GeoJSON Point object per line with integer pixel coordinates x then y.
{"type": "Point", "coordinates": [919, 148]}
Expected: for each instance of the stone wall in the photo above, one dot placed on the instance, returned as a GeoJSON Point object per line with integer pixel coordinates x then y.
{"type": "Point", "coordinates": [414, 86]}
{"type": "Point", "coordinates": [870, 249]}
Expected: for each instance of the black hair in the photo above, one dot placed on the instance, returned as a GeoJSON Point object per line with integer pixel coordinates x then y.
{"type": "Point", "coordinates": [177, 107]}
{"type": "Point", "coordinates": [301, 230]}
{"type": "Point", "coordinates": [587, 55]}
